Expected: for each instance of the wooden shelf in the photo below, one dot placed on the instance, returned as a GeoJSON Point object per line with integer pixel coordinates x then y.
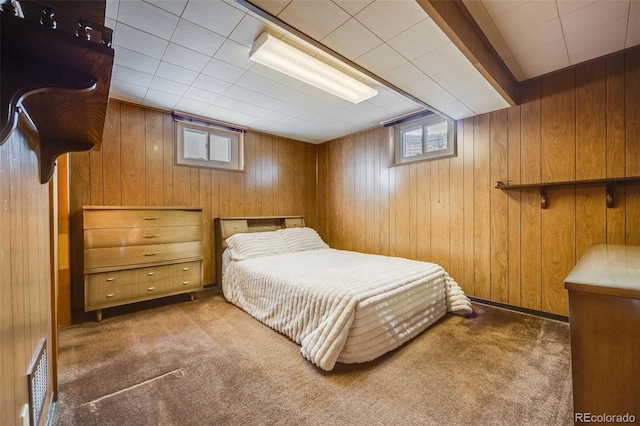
{"type": "Point", "coordinates": [57, 72]}
{"type": "Point", "coordinates": [542, 187]}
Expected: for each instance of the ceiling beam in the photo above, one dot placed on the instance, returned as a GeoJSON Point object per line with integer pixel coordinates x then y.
{"type": "Point", "coordinates": [457, 23]}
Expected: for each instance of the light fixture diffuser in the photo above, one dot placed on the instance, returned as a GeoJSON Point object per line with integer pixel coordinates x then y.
{"type": "Point", "coordinates": [280, 56]}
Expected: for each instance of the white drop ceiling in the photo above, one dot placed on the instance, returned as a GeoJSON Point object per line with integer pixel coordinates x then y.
{"type": "Point", "coordinates": [193, 56]}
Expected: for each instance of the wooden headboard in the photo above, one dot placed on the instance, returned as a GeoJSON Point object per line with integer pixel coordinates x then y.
{"type": "Point", "coordinates": [228, 226]}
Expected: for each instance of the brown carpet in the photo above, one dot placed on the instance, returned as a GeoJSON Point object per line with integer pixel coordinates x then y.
{"type": "Point", "coordinates": [208, 363]}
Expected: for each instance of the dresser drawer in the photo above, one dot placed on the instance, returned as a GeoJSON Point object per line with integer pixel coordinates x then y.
{"type": "Point", "coordinates": [187, 268]}
{"type": "Point", "coordinates": [108, 279]}
{"type": "Point", "coordinates": [117, 237]}
{"type": "Point", "coordinates": [150, 289]}
{"type": "Point", "coordinates": [131, 218]}
{"type": "Point", "coordinates": [147, 275]}
{"type": "Point", "coordinates": [109, 257]}
{"type": "Point", "coordinates": [186, 276]}
{"type": "Point", "coordinates": [96, 298]}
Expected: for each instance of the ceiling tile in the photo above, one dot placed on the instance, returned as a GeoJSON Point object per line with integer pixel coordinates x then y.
{"type": "Point", "coordinates": [453, 76]}
{"type": "Point", "coordinates": [535, 37]}
{"type": "Point", "coordinates": [456, 110]}
{"type": "Point", "coordinates": [134, 60]}
{"type": "Point", "coordinates": [131, 76]}
{"type": "Point", "coordinates": [499, 7]}
{"type": "Point", "coordinates": [162, 100]}
{"type": "Point", "coordinates": [266, 72]}
{"type": "Point", "coordinates": [423, 89]}
{"type": "Point", "coordinates": [441, 59]}
{"type": "Point", "coordinates": [197, 38]}
{"type": "Point", "coordinates": [173, 6]}
{"type": "Point", "coordinates": [597, 41]}
{"type": "Point", "coordinates": [168, 86]}
{"type": "Point", "coordinates": [138, 41]}
{"type": "Point", "coordinates": [147, 18]}
{"type": "Point", "coordinates": [234, 53]}
{"type": "Point", "coordinates": [314, 18]}
{"type": "Point", "coordinates": [352, 6]}
{"type": "Point", "coordinates": [127, 92]}
{"type": "Point", "coordinates": [223, 70]}
{"type": "Point", "coordinates": [381, 60]}
{"type": "Point", "coordinates": [387, 19]}
{"type": "Point", "coordinates": [176, 73]}
{"type": "Point", "coordinates": [111, 9]}
{"type": "Point", "coordinates": [568, 6]}
{"type": "Point", "coordinates": [351, 39]}
{"type": "Point", "coordinates": [201, 95]}
{"type": "Point", "coordinates": [419, 39]}
{"type": "Point", "coordinates": [594, 15]}
{"type": "Point", "coordinates": [184, 57]}
{"type": "Point", "coordinates": [216, 16]}
{"type": "Point", "coordinates": [273, 7]}
{"type": "Point", "coordinates": [404, 75]}
{"type": "Point", "coordinates": [249, 29]}
{"type": "Point", "coordinates": [633, 28]}
{"type": "Point", "coordinates": [544, 59]}
{"type": "Point", "coordinates": [526, 16]}
{"type": "Point", "coordinates": [191, 106]}
{"type": "Point", "coordinates": [240, 106]}
{"type": "Point", "coordinates": [254, 82]}
{"type": "Point", "coordinates": [514, 67]}
{"type": "Point", "coordinates": [491, 32]}
{"type": "Point", "coordinates": [211, 84]}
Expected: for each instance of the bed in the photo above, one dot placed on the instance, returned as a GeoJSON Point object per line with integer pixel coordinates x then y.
{"type": "Point", "coordinates": [339, 306]}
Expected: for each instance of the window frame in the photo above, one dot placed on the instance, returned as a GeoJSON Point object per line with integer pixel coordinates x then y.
{"type": "Point", "coordinates": [422, 121]}
{"type": "Point", "coordinates": [235, 135]}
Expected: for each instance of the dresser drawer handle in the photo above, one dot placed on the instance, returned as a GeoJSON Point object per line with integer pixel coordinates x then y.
{"type": "Point", "coordinates": [110, 279]}
{"type": "Point", "coordinates": [110, 295]}
{"type": "Point", "coordinates": [151, 254]}
{"type": "Point", "coordinates": [151, 288]}
{"type": "Point", "coordinates": [185, 268]}
{"type": "Point", "coordinates": [152, 236]}
{"type": "Point", "coordinates": [151, 217]}
{"type": "Point", "coordinates": [150, 274]}
{"type": "Point", "coordinates": [185, 283]}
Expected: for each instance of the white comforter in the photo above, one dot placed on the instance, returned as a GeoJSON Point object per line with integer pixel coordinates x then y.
{"type": "Point", "coordinates": [343, 306]}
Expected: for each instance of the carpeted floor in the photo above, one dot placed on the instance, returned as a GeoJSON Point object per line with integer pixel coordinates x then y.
{"type": "Point", "coordinates": [208, 363]}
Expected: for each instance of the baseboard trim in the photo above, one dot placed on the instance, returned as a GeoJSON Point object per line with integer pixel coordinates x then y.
{"type": "Point", "coordinates": [533, 312]}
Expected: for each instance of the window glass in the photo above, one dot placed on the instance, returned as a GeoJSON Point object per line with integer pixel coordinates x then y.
{"type": "Point", "coordinates": [195, 144]}
{"type": "Point", "coordinates": [219, 148]}
{"type": "Point", "coordinates": [424, 138]}
{"type": "Point", "coordinates": [204, 145]}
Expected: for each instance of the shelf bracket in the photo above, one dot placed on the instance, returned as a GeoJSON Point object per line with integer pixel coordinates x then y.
{"type": "Point", "coordinates": [609, 196]}
{"type": "Point", "coordinates": [543, 197]}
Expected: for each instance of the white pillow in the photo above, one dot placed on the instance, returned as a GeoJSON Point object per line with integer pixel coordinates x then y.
{"type": "Point", "coordinates": [256, 244]}
{"type": "Point", "coordinates": [302, 239]}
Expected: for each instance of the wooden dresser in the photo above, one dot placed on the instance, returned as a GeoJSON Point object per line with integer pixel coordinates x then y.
{"type": "Point", "coordinates": [133, 254]}
{"type": "Point", "coordinates": [604, 316]}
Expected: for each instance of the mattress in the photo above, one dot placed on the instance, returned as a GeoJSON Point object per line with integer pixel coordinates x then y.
{"type": "Point", "coordinates": [341, 306]}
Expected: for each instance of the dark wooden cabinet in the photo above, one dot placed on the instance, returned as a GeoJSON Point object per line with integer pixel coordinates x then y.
{"type": "Point", "coordinates": [56, 72]}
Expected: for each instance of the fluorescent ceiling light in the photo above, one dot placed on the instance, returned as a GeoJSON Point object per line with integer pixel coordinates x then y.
{"type": "Point", "coordinates": [274, 53]}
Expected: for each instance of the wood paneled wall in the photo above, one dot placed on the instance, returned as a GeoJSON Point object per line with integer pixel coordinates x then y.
{"type": "Point", "coordinates": [580, 123]}
{"type": "Point", "coordinates": [25, 273]}
{"type": "Point", "coordinates": [135, 167]}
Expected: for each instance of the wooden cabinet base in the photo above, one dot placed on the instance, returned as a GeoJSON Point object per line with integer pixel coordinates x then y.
{"type": "Point", "coordinates": [604, 317]}
{"type": "Point", "coordinates": [192, 298]}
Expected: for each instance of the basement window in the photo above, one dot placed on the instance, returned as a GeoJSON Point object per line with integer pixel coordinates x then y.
{"type": "Point", "coordinates": [423, 136]}
{"type": "Point", "coordinates": [204, 143]}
